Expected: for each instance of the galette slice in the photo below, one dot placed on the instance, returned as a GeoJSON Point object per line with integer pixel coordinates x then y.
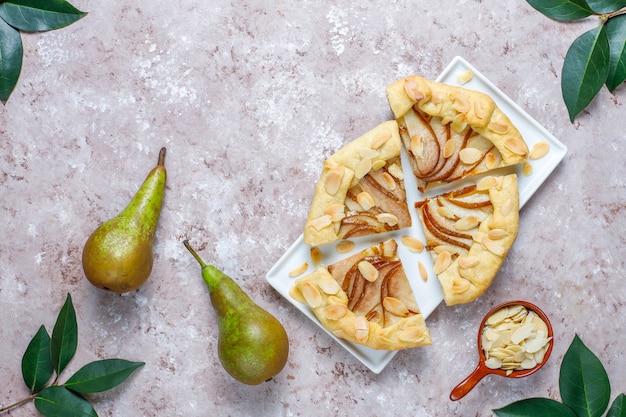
{"type": "Point", "coordinates": [366, 299]}
{"type": "Point", "coordinates": [452, 132]}
{"type": "Point", "coordinates": [468, 234]}
{"type": "Point", "coordinates": [360, 190]}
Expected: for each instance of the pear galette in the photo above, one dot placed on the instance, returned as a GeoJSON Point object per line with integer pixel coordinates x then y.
{"type": "Point", "coordinates": [468, 234]}
{"type": "Point", "coordinates": [366, 298]}
{"type": "Point", "coordinates": [452, 132]}
{"type": "Point", "coordinates": [361, 189]}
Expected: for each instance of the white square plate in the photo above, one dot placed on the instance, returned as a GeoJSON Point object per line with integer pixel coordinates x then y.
{"type": "Point", "coordinates": [427, 294]}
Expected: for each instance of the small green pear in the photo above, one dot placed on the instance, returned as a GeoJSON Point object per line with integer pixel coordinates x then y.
{"type": "Point", "coordinates": [252, 344]}
{"type": "Point", "coordinates": [118, 254]}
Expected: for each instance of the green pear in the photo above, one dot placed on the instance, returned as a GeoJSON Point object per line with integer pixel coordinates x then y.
{"type": "Point", "coordinates": [118, 254]}
{"type": "Point", "coordinates": [252, 344]}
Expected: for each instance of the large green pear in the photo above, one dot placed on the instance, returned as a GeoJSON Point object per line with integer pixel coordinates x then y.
{"type": "Point", "coordinates": [252, 344]}
{"type": "Point", "coordinates": [118, 254]}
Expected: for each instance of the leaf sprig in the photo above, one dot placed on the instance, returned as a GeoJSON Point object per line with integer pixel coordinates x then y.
{"type": "Point", "coordinates": [47, 356]}
{"type": "Point", "coordinates": [595, 59]}
{"type": "Point", "coordinates": [584, 386]}
{"type": "Point", "coordinates": [27, 16]}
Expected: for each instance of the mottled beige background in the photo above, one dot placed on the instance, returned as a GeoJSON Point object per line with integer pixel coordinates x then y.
{"type": "Point", "coordinates": [249, 98]}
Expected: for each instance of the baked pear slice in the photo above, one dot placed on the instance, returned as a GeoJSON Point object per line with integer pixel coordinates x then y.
{"type": "Point", "coordinates": [366, 299]}
{"type": "Point", "coordinates": [452, 132]}
{"type": "Point", "coordinates": [469, 232]}
{"type": "Point", "coordinates": [360, 190]}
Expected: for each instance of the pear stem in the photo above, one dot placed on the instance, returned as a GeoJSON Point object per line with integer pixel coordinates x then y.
{"type": "Point", "coordinates": [161, 161]}
{"type": "Point", "coordinates": [193, 252]}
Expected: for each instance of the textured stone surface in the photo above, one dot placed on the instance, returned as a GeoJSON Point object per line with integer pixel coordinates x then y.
{"type": "Point", "coordinates": [249, 98]}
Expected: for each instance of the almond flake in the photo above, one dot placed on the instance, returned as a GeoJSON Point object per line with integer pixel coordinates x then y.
{"type": "Point", "coordinates": [497, 127]}
{"type": "Point", "coordinates": [446, 212]}
{"type": "Point", "coordinates": [468, 261]}
{"type": "Point", "coordinates": [387, 218]}
{"type": "Point", "coordinates": [527, 168]}
{"type": "Point", "coordinates": [411, 87]}
{"type": "Point", "coordinates": [312, 295]}
{"type": "Point", "coordinates": [361, 328]}
{"type": "Point", "coordinates": [459, 123]}
{"type": "Point", "coordinates": [411, 334]}
{"type": "Point", "coordinates": [368, 271]}
{"type": "Point", "coordinates": [539, 150]}
{"type": "Point", "coordinates": [444, 259]}
{"type": "Point", "coordinates": [336, 212]}
{"type": "Point", "coordinates": [470, 155]}
{"type": "Point", "coordinates": [299, 270]}
{"type": "Point", "coordinates": [368, 153]}
{"type": "Point", "coordinates": [423, 272]}
{"type": "Point", "coordinates": [380, 140]}
{"type": "Point", "coordinates": [461, 103]}
{"type": "Point", "coordinates": [329, 285]}
{"type": "Point", "coordinates": [294, 292]}
{"type": "Point", "coordinates": [466, 223]}
{"type": "Point", "coordinates": [395, 307]}
{"type": "Point", "coordinates": [335, 311]}
{"type": "Point", "coordinates": [506, 207]}
{"type": "Point", "coordinates": [464, 77]}
{"type": "Point", "coordinates": [493, 246]}
{"type": "Point", "coordinates": [516, 146]}
{"type": "Point", "coordinates": [496, 234]}
{"type": "Point", "coordinates": [344, 246]}
{"type": "Point", "coordinates": [389, 181]}
{"type": "Point", "coordinates": [332, 183]}
{"type": "Point", "coordinates": [490, 160]}
{"type": "Point", "coordinates": [378, 164]}
{"type": "Point", "coordinates": [396, 171]}
{"type": "Point", "coordinates": [362, 168]}
{"type": "Point", "coordinates": [449, 148]}
{"type": "Point", "coordinates": [365, 200]}
{"type": "Point", "coordinates": [486, 183]}
{"type": "Point", "coordinates": [460, 285]}
{"type": "Point", "coordinates": [321, 222]}
{"type": "Point", "coordinates": [413, 244]}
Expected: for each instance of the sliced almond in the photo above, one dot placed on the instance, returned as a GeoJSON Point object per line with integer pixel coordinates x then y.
{"type": "Point", "coordinates": [311, 294]}
{"type": "Point", "coordinates": [395, 307]}
{"type": "Point", "coordinates": [470, 155]}
{"type": "Point", "coordinates": [368, 153]}
{"type": "Point", "coordinates": [460, 285]}
{"type": "Point", "coordinates": [336, 212]}
{"type": "Point", "coordinates": [466, 223]}
{"type": "Point", "coordinates": [468, 261]}
{"type": "Point", "coordinates": [464, 77]}
{"type": "Point", "coordinates": [486, 183]}
{"type": "Point", "coordinates": [422, 270]}
{"type": "Point", "coordinates": [507, 207]}
{"type": "Point", "coordinates": [493, 246]}
{"type": "Point", "coordinates": [449, 148]}
{"type": "Point", "coordinates": [380, 139]}
{"type": "Point", "coordinates": [365, 200]}
{"type": "Point", "coordinates": [500, 128]}
{"type": "Point", "coordinates": [335, 311]}
{"type": "Point", "coordinates": [411, 334]}
{"type": "Point", "coordinates": [361, 328]}
{"type": "Point", "coordinates": [446, 212]}
{"type": "Point", "coordinates": [332, 183]}
{"type": "Point", "coordinates": [316, 255]}
{"type": "Point", "coordinates": [444, 259]}
{"type": "Point", "coordinates": [411, 87]}
{"type": "Point", "coordinates": [321, 222]}
{"type": "Point", "coordinates": [296, 294]}
{"type": "Point", "coordinates": [299, 270]}
{"type": "Point", "coordinates": [389, 181]}
{"type": "Point", "coordinates": [388, 218]}
{"type": "Point", "coordinates": [413, 244]}
{"type": "Point", "coordinates": [515, 145]}
{"type": "Point", "coordinates": [490, 160]}
{"type": "Point", "coordinates": [344, 246]}
{"type": "Point", "coordinates": [368, 271]}
{"type": "Point", "coordinates": [496, 234]}
{"type": "Point", "coordinates": [378, 164]}
{"type": "Point", "coordinates": [362, 168]}
{"type": "Point", "coordinates": [539, 150]}
{"type": "Point", "coordinates": [459, 123]}
{"type": "Point", "coordinates": [329, 285]}
{"type": "Point", "coordinates": [527, 168]}
{"type": "Point", "coordinates": [396, 171]}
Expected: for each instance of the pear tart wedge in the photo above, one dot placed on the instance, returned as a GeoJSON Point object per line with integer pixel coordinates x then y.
{"type": "Point", "coordinates": [366, 299]}
{"type": "Point", "coordinates": [451, 132]}
{"type": "Point", "coordinates": [468, 234]}
{"type": "Point", "coordinates": [360, 190]}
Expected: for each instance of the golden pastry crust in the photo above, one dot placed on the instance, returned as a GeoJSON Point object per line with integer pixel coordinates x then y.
{"type": "Point", "coordinates": [466, 270]}
{"type": "Point", "coordinates": [462, 112]}
{"type": "Point", "coordinates": [390, 319]}
{"type": "Point", "coordinates": [364, 158]}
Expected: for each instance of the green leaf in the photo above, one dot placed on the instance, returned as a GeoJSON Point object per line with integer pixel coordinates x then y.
{"type": "Point", "coordinates": [11, 52]}
{"type": "Point", "coordinates": [101, 375]}
{"type": "Point", "coordinates": [616, 32]}
{"type": "Point", "coordinates": [535, 407]}
{"type": "Point", "coordinates": [585, 70]}
{"type": "Point", "coordinates": [58, 401]}
{"type": "Point", "coordinates": [36, 363]}
{"type": "Point", "coordinates": [562, 9]}
{"type": "Point", "coordinates": [618, 409]}
{"type": "Point", "coordinates": [606, 6]}
{"type": "Point", "coordinates": [583, 381]}
{"type": "Point", "coordinates": [64, 337]}
{"type": "Point", "coordinates": [39, 15]}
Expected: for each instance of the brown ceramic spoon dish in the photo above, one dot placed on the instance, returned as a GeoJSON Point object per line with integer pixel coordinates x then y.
{"type": "Point", "coordinates": [482, 370]}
